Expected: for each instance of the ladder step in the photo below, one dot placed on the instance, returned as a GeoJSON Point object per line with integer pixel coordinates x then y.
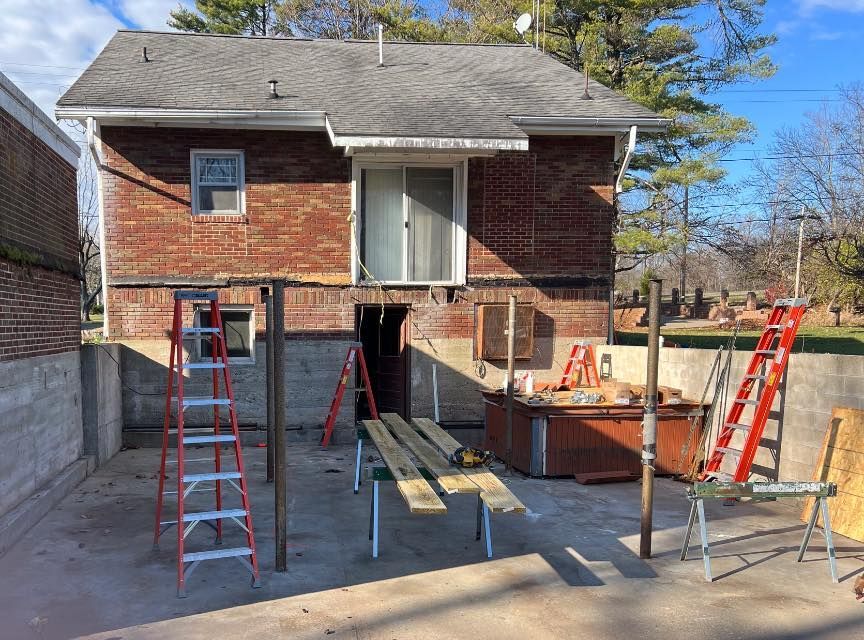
{"type": "Point", "coordinates": [738, 426]}
{"type": "Point", "coordinates": [214, 515]}
{"type": "Point", "coordinates": [729, 450]}
{"type": "Point", "coordinates": [200, 439]}
{"type": "Point", "coordinates": [742, 401]}
{"type": "Point", "coordinates": [755, 376]}
{"type": "Point", "coordinates": [194, 330]}
{"type": "Point", "coordinates": [196, 556]}
{"type": "Point", "coordinates": [773, 326]}
{"type": "Point", "coordinates": [203, 401]}
{"type": "Point", "coordinates": [202, 365]}
{"type": "Point", "coordinates": [203, 477]}
{"type": "Point", "coordinates": [765, 352]}
{"type": "Point", "coordinates": [721, 475]}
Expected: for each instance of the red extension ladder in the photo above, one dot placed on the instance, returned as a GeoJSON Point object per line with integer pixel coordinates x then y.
{"type": "Point", "coordinates": [767, 365]}
{"type": "Point", "coordinates": [581, 367]}
{"type": "Point", "coordinates": [355, 352]}
{"type": "Point", "coordinates": [188, 483]}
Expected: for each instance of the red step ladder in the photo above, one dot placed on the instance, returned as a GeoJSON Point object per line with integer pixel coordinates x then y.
{"type": "Point", "coordinates": [581, 367]}
{"type": "Point", "coordinates": [355, 352]}
{"type": "Point", "coordinates": [188, 483]}
{"type": "Point", "coordinates": [767, 365]}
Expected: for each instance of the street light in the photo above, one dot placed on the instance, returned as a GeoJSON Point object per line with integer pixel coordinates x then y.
{"type": "Point", "coordinates": [801, 217]}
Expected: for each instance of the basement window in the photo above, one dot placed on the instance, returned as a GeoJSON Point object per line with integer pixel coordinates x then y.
{"type": "Point", "coordinates": [218, 182]}
{"type": "Point", "coordinates": [490, 332]}
{"type": "Point", "coordinates": [239, 325]}
{"type": "Point", "coordinates": [410, 226]}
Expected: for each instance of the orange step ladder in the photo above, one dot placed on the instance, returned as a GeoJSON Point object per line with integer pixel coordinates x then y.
{"type": "Point", "coordinates": [766, 366]}
{"type": "Point", "coordinates": [355, 352]}
{"type": "Point", "coordinates": [581, 367]}
{"type": "Point", "coordinates": [190, 483]}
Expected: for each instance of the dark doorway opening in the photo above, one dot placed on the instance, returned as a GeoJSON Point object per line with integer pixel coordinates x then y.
{"type": "Point", "coordinates": [384, 334]}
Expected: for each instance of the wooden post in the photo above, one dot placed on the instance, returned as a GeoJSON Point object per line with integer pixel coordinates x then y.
{"type": "Point", "coordinates": [649, 424]}
{"type": "Point", "coordinates": [281, 489]}
{"type": "Point", "coordinates": [271, 399]}
{"type": "Point", "coordinates": [511, 367]}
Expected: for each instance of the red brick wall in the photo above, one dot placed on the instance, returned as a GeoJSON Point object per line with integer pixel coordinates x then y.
{"type": "Point", "coordinates": [298, 198]}
{"type": "Point", "coordinates": [38, 226]}
{"type": "Point", "coordinates": [547, 213]}
{"type": "Point", "coordinates": [541, 218]}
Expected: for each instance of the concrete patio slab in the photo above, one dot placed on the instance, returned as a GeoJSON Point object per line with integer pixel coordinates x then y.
{"type": "Point", "coordinates": [567, 569]}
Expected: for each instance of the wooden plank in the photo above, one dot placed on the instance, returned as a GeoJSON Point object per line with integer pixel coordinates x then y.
{"type": "Point", "coordinates": [600, 477]}
{"type": "Point", "coordinates": [492, 491]}
{"type": "Point", "coordinates": [842, 461]}
{"type": "Point", "coordinates": [418, 494]}
{"type": "Point", "coordinates": [451, 478]}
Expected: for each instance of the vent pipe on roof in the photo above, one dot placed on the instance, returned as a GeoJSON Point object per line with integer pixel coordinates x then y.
{"type": "Point", "coordinates": [273, 84]}
{"type": "Point", "coordinates": [586, 95]}
{"type": "Point", "coordinates": [144, 57]}
{"type": "Point", "coordinates": [380, 45]}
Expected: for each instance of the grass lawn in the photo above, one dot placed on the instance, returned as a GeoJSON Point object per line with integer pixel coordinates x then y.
{"type": "Point", "coordinates": [843, 340]}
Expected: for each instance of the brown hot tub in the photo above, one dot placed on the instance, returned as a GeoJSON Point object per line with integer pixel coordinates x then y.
{"type": "Point", "coordinates": [564, 439]}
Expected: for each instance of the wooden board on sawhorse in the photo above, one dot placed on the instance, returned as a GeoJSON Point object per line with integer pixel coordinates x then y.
{"type": "Point", "coordinates": [820, 491]}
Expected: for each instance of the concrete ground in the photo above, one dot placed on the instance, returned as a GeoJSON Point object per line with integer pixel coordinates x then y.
{"type": "Point", "coordinates": [568, 569]}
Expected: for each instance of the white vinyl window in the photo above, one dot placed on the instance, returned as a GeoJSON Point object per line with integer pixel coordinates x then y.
{"type": "Point", "coordinates": [239, 325]}
{"type": "Point", "coordinates": [217, 182]}
{"type": "Point", "coordinates": [410, 224]}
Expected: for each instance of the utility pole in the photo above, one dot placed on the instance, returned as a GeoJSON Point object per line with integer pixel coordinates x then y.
{"type": "Point", "coordinates": [649, 422]}
{"type": "Point", "coordinates": [801, 217]}
{"type": "Point", "coordinates": [682, 276]}
{"type": "Point", "coordinates": [281, 488]}
{"type": "Point", "coordinates": [511, 367]}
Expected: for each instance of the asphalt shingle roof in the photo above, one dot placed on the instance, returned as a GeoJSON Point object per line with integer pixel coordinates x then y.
{"type": "Point", "coordinates": [434, 90]}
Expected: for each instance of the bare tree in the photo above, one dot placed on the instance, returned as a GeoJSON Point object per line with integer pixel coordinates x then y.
{"type": "Point", "coordinates": [88, 235]}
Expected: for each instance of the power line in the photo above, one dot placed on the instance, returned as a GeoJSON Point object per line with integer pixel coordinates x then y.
{"type": "Point", "coordinates": [795, 157]}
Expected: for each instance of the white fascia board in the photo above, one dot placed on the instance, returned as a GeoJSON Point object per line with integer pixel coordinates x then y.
{"type": "Point", "coordinates": [363, 144]}
{"type": "Point", "coordinates": [567, 125]}
{"type": "Point", "coordinates": [22, 109]}
{"type": "Point", "coordinates": [302, 120]}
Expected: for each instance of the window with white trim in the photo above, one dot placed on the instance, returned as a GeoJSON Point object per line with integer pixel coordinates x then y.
{"type": "Point", "coordinates": [217, 182]}
{"type": "Point", "coordinates": [239, 325]}
{"type": "Point", "coordinates": [410, 223]}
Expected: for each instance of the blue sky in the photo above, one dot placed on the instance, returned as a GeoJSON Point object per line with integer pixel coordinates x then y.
{"type": "Point", "coordinates": [818, 51]}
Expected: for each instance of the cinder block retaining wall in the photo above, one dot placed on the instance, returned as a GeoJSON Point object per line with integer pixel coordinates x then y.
{"type": "Point", "coordinates": [814, 385]}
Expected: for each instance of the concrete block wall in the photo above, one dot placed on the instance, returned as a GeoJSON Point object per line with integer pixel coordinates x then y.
{"type": "Point", "coordinates": [814, 384]}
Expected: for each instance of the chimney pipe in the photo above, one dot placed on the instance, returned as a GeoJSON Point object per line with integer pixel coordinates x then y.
{"type": "Point", "coordinates": [380, 45]}
{"type": "Point", "coordinates": [144, 57]}
{"type": "Point", "coordinates": [273, 84]}
{"type": "Point", "coordinates": [586, 95]}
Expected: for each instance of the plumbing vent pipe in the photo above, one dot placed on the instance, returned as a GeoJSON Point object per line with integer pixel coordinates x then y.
{"type": "Point", "coordinates": [273, 84]}
{"type": "Point", "coordinates": [144, 57]}
{"type": "Point", "coordinates": [380, 45]}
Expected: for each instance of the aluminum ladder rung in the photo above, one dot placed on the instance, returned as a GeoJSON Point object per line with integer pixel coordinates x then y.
{"type": "Point", "coordinates": [214, 515]}
{"type": "Point", "coordinates": [203, 401]}
{"type": "Point", "coordinates": [194, 330]}
{"type": "Point", "coordinates": [765, 352]}
{"type": "Point", "coordinates": [738, 426]}
{"type": "Point", "coordinates": [774, 326]}
{"type": "Point", "coordinates": [200, 439]}
{"type": "Point", "coordinates": [746, 401]}
{"type": "Point", "coordinates": [204, 477]}
{"type": "Point", "coordinates": [197, 556]}
{"type": "Point", "coordinates": [202, 365]}
{"type": "Point", "coordinates": [755, 376]}
{"type": "Point", "coordinates": [729, 450]}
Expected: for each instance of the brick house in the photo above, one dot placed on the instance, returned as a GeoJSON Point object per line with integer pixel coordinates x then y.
{"type": "Point", "coordinates": [399, 197]}
{"type": "Point", "coordinates": [41, 437]}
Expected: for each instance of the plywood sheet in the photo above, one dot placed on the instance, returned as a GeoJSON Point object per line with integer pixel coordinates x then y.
{"type": "Point", "coordinates": [493, 492]}
{"type": "Point", "coordinates": [842, 461]}
{"type": "Point", "coordinates": [451, 478]}
{"type": "Point", "coordinates": [418, 494]}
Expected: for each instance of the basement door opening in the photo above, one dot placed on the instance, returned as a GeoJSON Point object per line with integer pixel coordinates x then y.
{"type": "Point", "coordinates": [384, 334]}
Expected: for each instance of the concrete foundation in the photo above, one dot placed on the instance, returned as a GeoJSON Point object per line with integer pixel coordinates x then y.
{"type": "Point", "coordinates": [567, 569]}
{"type": "Point", "coordinates": [102, 407]}
{"type": "Point", "coordinates": [40, 423]}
